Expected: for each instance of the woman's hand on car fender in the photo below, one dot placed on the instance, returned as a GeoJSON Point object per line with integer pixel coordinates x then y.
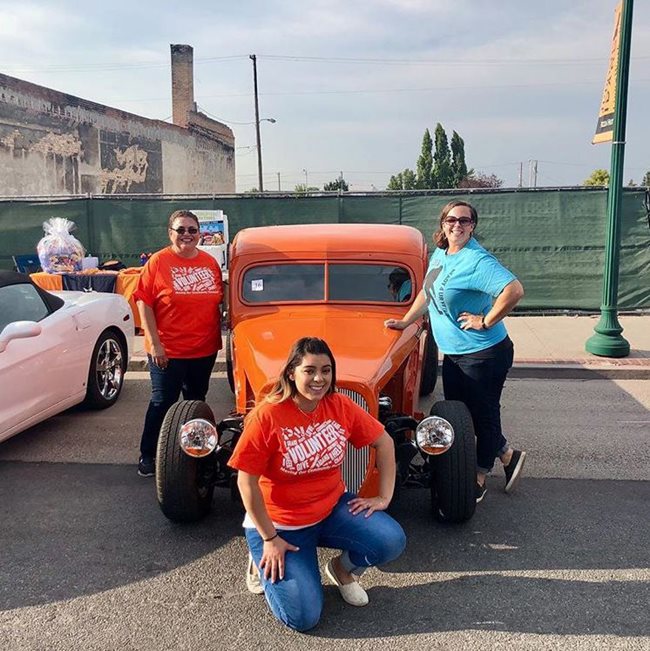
{"type": "Point", "coordinates": [272, 562]}
{"type": "Point", "coordinates": [396, 324]}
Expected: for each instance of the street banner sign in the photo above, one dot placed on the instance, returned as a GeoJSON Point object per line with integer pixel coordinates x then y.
{"type": "Point", "coordinates": [605, 125]}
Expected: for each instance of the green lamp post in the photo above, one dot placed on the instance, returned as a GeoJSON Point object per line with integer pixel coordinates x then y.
{"type": "Point", "coordinates": [607, 340]}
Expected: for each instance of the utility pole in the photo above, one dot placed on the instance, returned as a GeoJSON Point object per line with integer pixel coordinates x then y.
{"type": "Point", "coordinates": [279, 188]}
{"type": "Point", "coordinates": [306, 180]}
{"type": "Point", "coordinates": [607, 340]}
{"type": "Point", "coordinates": [260, 181]}
{"type": "Point", "coordinates": [521, 175]}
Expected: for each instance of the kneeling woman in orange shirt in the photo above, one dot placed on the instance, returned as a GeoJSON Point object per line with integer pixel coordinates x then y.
{"type": "Point", "coordinates": [289, 461]}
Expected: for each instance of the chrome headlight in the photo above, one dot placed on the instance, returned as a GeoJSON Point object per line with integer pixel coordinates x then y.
{"type": "Point", "coordinates": [199, 437]}
{"type": "Point", "coordinates": [434, 435]}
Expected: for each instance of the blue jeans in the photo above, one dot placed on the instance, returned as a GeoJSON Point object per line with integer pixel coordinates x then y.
{"type": "Point", "coordinates": [297, 600]}
{"type": "Point", "coordinates": [477, 379]}
{"type": "Point", "coordinates": [191, 376]}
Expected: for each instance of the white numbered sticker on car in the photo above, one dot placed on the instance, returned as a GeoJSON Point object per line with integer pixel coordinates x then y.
{"type": "Point", "coordinates": [257, 285]}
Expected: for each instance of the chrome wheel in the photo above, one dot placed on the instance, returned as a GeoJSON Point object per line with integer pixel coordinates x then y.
{"type": "Point", "coordinates": [109, 371]}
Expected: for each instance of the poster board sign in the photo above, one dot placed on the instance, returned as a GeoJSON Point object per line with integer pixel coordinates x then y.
{"type": "Point", "coordinates": [605, 124]}
{"type": "Point", "coordinates": [214, 237]}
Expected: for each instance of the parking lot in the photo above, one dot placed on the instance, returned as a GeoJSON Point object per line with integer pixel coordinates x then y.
{"type": "Point", "coordinates": [90, 562]}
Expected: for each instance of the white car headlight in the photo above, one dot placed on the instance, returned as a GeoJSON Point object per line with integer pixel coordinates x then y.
{"type": "Point", "coordinates": [434, 435]}
{"type": "Point", "coordinates": [199, 437]}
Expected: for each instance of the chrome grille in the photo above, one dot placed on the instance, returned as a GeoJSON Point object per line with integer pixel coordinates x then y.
{"type": "Point", "coordinates": [356, 461]}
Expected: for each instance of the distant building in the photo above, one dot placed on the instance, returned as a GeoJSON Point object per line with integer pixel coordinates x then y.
{"type": "Point", "coordinates": [57, 144]}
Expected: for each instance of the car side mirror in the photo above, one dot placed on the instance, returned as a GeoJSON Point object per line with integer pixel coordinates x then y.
{"type": "Point", "coordinates": [18, 330]}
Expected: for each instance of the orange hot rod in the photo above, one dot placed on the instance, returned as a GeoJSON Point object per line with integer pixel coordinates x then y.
{"type": "Point", "coordinates": [339, 282]}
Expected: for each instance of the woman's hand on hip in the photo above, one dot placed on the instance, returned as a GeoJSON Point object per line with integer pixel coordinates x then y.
{"type": "Point", "coordinates": [470, 321]}
{"type": "Point", "coordinates": [368, 504]}
{"type": "Point", "coordinates": [159, 356]}
{"type": "Point", "coordinates": [272, 563]}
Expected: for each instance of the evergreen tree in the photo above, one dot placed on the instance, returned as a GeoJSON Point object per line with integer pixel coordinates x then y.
{"type": "Point", "coordinates": [405, 180]}
{"type": "Point", "coordinates": [409, 179]}
{"type": "Point", "coordinates": [458, 165]}
{"type": "Point", "coordinates": [395, 182]}
{"type": "Point", "coordinates": [646, 179]}
{"type": "Point", "coordinates": [442, 176]}
{"type": "Point", "coordinates": [339, 184]}
{"type": "Point", "coordinates": [425, 163]}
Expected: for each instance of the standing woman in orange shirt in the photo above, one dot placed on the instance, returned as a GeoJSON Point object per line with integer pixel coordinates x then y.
{"type": "Point", "coordinates": [289, 460]}
{"type": "Point", "coordinates": [178, 296]}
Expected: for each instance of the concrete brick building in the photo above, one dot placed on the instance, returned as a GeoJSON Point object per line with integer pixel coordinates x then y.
{"type": "Point", "coordinates": [52, 143]}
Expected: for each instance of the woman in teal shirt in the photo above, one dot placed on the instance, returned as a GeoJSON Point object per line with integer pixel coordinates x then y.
{"type": "Point", "coordinates": [467, 293]}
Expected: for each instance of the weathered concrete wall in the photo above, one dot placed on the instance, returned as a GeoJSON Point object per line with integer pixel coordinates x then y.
{"type": "Point", "coordinates": [57, 144]}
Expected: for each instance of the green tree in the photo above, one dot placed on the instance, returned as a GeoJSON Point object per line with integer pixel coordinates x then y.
{"type": "Point", "coordinates": [442, 176]}
{"type": "Point", "coordinates": [339, 184]}
{"type": "Point", "coordinates": [646, 179]}
{"type": "Point", "coordinates": [425, 163]}
{"type": "Point", "coordinates": [598, 177]}
{"type": "Point", "coordinates": [405, 180]}
{"type": "Point", "coordinates": [458, 165]}
{"type": "Point", "coordinates": [480, 180]}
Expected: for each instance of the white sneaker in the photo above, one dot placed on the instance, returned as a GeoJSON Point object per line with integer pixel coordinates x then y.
{"type": "Point", "coordinates": [353, 593]}
{"type": "Point", "coordinates": [253, 581]}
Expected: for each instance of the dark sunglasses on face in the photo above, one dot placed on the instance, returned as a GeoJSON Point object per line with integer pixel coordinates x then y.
{"type": "Point", "coordinates": [192, 230]}
{"type": "Point", "coordinates": [463, 221]}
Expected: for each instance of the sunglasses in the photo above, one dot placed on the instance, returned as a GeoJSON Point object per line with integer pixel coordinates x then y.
{"type": "Point", "coordinates": [181, 230]}
{"type": "Point", "coordinates": [463, 221]}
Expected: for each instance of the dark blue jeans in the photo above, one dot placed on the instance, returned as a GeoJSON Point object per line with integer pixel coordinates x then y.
{"type": "Point", "coordinates": [477, 379]}
{"type": "Point", "coordinates": [297, 600]}
{"type": "Point", "coordinates": [191, 376]}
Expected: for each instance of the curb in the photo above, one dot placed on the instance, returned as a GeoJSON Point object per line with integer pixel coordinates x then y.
{"type": "Point", "coordinates": [636, 369]}
{"type": "Point", "coordinates": [140, 364]}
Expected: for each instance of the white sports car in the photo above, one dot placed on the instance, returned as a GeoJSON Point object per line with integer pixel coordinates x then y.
{"type": "Point", "coordinates": [58, 349]}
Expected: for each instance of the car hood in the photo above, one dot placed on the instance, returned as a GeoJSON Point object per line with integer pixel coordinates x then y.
{"type": "Point", "coordinates": [367, 353]}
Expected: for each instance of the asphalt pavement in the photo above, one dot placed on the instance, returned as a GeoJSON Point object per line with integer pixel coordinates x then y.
{"type": "Point", "coordinates": [545, 346]}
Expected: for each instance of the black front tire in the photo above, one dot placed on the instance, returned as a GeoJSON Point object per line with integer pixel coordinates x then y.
{"type": "Point", "coordinates": [429, 375]}
{"type": "Point", "coordinates": [183, 484]}
{"type": "Point", "coordinates": [106, 372]}
{"type": "Point", "coordinates": [453, 481]}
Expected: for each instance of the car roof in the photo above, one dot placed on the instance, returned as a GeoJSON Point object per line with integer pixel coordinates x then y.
{"type": "Point", "coordinates": [15, 278]}
{"type": "Point", "coordinates": [12, 278]}
{"type": "Point", "coordinates": [333, 238]}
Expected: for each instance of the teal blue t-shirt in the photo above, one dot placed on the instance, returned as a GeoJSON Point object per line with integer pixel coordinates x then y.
{"type": "Point", "coordinates": [467, 281]}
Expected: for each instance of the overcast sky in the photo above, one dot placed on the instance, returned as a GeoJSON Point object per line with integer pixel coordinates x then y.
{"type": "Point", "coordinates": [353, 85]}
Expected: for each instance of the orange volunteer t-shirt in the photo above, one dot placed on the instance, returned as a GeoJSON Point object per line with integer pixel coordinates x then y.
{"type": "Point", "coordinates": [185, 295]}
{"type": "Point", "coordinates": [298, 456]}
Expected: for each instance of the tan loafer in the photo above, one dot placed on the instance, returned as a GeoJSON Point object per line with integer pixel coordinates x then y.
{"type": "Point", "coordinates": [352, 593]}
{"type": "Point", "coordinates": [253, 581]}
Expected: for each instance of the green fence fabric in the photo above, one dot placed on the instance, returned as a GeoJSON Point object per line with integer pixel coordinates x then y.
{"type": "Point", "coordinates": [553, 240]}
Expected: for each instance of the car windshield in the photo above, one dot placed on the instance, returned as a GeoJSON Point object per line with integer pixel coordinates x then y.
{"type": "Point", "coordinates": [346, 282]}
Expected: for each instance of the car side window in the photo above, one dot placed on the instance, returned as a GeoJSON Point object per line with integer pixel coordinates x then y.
{"type": "Point", "coordinates": [21, 302]}
{"type": "Point", "coordinates": [369, 282]}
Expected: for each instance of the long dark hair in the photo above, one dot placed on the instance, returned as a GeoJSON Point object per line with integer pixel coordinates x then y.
{"type": "Point", "coordinates": [284, 386]}
{"type": "Point", "coordinates": [439, 237]}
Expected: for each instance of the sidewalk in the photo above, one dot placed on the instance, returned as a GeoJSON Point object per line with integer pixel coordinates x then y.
{"type": "Point", "coordinates": [545, 346]}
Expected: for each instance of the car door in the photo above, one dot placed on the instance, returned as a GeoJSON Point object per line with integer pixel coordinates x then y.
{"type": "Point", "coordinates": [34, 372]}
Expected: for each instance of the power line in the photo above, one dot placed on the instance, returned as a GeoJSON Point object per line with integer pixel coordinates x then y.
{"type": "Point", "coordinates": [115, 65]}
